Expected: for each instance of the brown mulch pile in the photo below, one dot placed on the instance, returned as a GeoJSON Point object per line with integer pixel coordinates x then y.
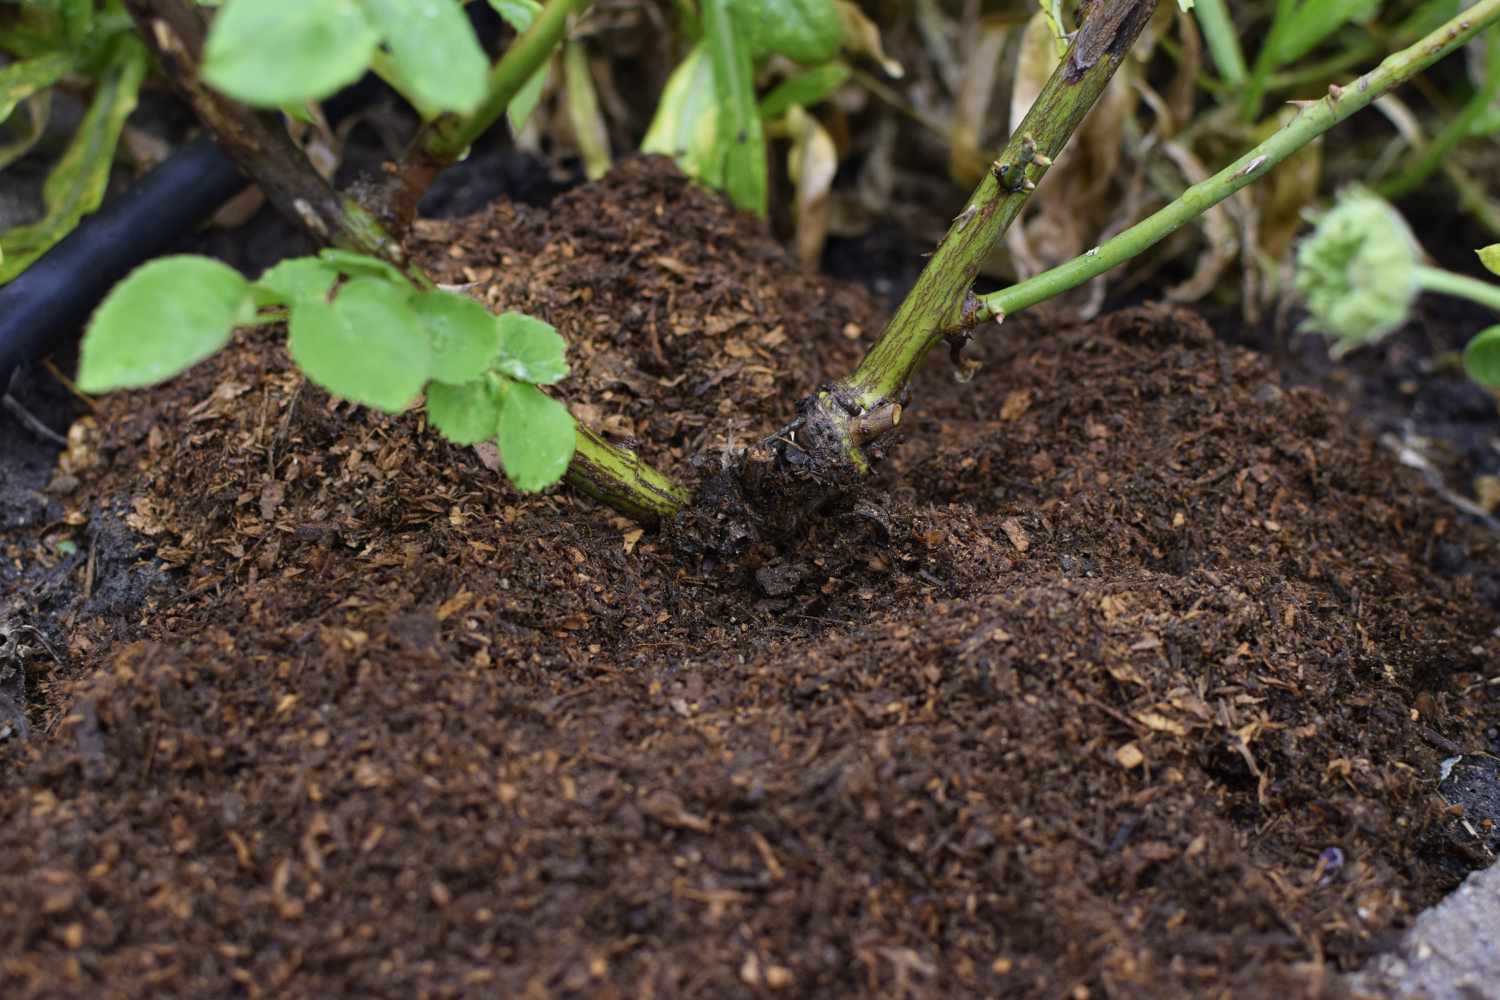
{"type": "Point", "coordinates": [1135, 638]}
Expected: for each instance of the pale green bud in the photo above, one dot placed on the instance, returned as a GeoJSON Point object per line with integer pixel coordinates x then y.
{"type": "Point", "coordinates": [1357, 272]}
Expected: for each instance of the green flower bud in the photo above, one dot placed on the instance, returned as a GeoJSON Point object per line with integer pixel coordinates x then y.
{"type": "Point", "coordinates": [1357, 272]}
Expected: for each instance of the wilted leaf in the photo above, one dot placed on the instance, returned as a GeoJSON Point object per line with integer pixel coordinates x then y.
{"type": "Point", "coordinates": [811, 162]}
{"type": "Point", "coordinates": [38, 111]}
{"type": "Point", "coordinates": [967, 164]}
{"type": "Point", "coordinates": [861, 37]}
{"type": "Point", "coordinates": [1037, 60]}
{"type": "Point", "coordinates": [583, 112]}
{"type": "Point", "coordinates": [78, 179]}
{"type": "Point", "coordinates": [20, 80]}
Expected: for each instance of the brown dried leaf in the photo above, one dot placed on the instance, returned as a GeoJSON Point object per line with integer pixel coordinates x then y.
{"type": "Point", "coordinates": [811, 163]}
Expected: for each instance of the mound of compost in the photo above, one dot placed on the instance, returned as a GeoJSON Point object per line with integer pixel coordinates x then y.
{"type": "Point", "coordinates": [1131, 676]}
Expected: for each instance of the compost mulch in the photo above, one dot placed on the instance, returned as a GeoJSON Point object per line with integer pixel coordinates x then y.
{"type": "Point", "coordinates": [1123, 642]}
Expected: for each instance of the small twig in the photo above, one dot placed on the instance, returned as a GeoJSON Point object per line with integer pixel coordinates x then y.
{"type": "Point", "coordinates": [32, 423]}
{"type": "Point", "coordinates": [67, 384]}
{"type": "Point", "coordinates": [1440, 741]}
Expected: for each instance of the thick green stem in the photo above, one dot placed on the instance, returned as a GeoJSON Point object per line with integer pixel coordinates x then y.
{"type": "Point", "coordinates": [1312, 121]}
{"type": "Point", "coordinates": [444, 140]}
{"type": "Point", "coordinates": [621, 480]}
{"type": "Point", "coordinates": [1435, 279]}
{"type": "Point", "coordinates": [1223, 43]}
{"type": "Point", "coordinates": [936, 302]}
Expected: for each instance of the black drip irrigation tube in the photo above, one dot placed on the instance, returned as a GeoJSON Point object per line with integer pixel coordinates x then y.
{"type": "Point", "coordinates": [52, 299]}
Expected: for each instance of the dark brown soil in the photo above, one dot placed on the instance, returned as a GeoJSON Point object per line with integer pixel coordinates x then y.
{"type": "Point", "coordinates": [1132, 639]}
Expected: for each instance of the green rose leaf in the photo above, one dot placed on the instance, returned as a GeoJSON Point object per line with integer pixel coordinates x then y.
{"type": "Point", "coordinates": [1490, 257]}
{"type": "Point", "coordinates": [807, 31]}
{"type": "Point", "coordinates": [165, 317]}
{"type": "Point", "coordinates": [367, 345]}
{"type": "Point", "coordinates": [295, 280]}
{"type": "Point", "coordinates": [276, 53]}
{"type": "Point", "coordinates": [434, 50]}
{"type": "Point", "coordinates": [530, 350]}
{"type": "Point", "coordinates": [536, 437]}
{"type": "Point", "coordinates": [1482, 358]}
{"type": "Point", "coordinates": [464, 335]}
{"type": "Point", "coordinates": [351, 263]}
{"type": "Point", "coordinates": [464, 414]}
{"type": "Point", "coordinates": [804, 89]}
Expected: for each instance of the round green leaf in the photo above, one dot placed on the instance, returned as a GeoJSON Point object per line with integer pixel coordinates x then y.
{"type": "Point", "coordinates": [464, 335]}
{"type": "Point", "coordinates": [286, 53]}
{"type": "Point", "coordinates": [530, 350]}
{"type": "Point", "coordinates": [165, 317]}
{"type": "Point", "coordinates": [434, 51]}
{"type": "Point", "coordinates": [1482, 358]}
{"type": "Point", "coordinates": [295, 279]}
{"type": "Point", "coordinates": [536, 437]}
{"type": "Point", "coordinates": [368, 345]}
{"type": "Point", "coordinates": [464, 414]}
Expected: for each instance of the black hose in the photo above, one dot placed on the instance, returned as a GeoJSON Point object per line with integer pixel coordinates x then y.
{"type": "Point", "coordinates": [53, 297]}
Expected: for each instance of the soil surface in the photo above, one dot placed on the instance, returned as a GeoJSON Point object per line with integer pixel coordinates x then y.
{"type": "Point", "coordinates": [1132, 678]}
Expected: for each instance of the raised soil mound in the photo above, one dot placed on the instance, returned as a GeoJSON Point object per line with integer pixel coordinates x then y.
{"type": "Point", "coordinates": [1126, 641]}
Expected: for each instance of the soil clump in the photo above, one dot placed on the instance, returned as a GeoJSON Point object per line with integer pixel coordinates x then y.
{"type": "Point", "coordinates": [1126, 642]}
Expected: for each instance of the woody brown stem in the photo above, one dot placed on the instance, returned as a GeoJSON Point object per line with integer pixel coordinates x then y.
{"type": "Point", "coordinates": [257, 141]}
